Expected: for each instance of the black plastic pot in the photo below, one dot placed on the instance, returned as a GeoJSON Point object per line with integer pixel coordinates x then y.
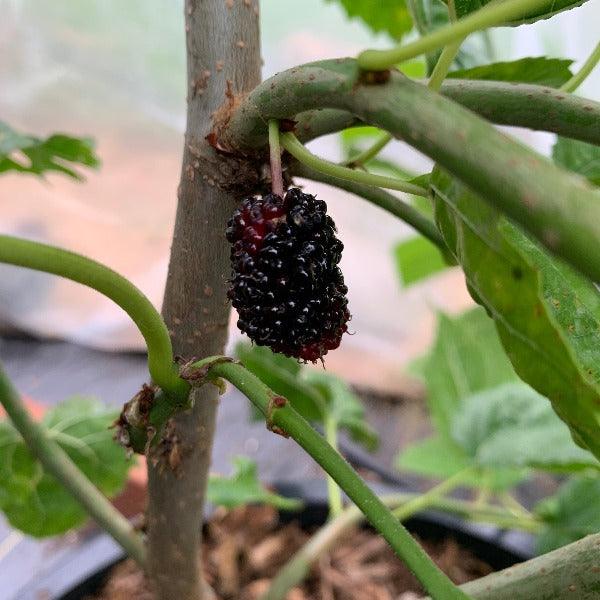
{"type": "Point", "coordinates": [81, 569]}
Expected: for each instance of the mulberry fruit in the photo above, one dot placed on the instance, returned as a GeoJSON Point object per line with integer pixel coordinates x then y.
{"type": "Point", "coordinates": [286, 284]}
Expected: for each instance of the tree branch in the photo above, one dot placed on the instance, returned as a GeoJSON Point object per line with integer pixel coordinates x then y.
{"type": "Point", "coordinates": [559, 208]}
{"type": "Point", "coordinates": [564, 574]}
{"type": "Point", "coordinates": [223, 61]}
{"type": "Point", "coordinates": [515, 104]}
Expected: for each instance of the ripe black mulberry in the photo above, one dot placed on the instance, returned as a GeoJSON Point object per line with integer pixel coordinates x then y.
{"type": "Point", "coordinates": [286, 284]}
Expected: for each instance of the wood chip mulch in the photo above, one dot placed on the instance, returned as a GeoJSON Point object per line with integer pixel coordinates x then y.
{"type": "Point", "coordinates": [245, 548]}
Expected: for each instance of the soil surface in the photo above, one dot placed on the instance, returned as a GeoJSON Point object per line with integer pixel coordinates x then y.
{"type": "Point", "coordinates": [245, 548]}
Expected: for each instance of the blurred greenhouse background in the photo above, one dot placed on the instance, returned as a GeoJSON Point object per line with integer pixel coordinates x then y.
{"type": "Point", "coordinates": [115, 71]}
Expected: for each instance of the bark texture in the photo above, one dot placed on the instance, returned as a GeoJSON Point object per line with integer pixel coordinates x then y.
{"type": "Point", "coordinates": [223, 56]}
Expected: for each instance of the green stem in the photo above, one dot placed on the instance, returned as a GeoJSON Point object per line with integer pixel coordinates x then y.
{"type": "Point", "coordinates": [366, 155]}
{"type": "Point", "coordinates": [586, 69]}
{"type": "Point", "coordinates": [50, 259]}
{"type": "Point", "coordinates": [287, 420]}
{"type": "Point", "coordinates": [275, 159]}
{"type": "Point", "coordinates": [452, 11]}
{"type": "Point", "coordinates": [300, 153]}
{"type": "Point", "coordinates": [429, 497]}
{"type": "Point", "coordinates": [298, 567]}
{"type": "Point", "coordinates": [569, 573]}
{"type": "Point", "coordinates": [492, 14]}
{"type": "Point", "coordinates": [442, 66]}
{"type": "Point", "coordinates": [56, 461]}
{"type": "Point", "coordinates": [558, 208]}
{"type": "Point", "coordinates": [380, 198]}
{"type": "Point", "coordinates": [334, 494]}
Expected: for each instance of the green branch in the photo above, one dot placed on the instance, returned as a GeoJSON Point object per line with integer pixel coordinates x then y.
{"type": "Point", "coordinates": [520, 105]}
{"type": "Point", "coordinates": [290, 142]}
{"type": "Point", "coordinates": [407, 505]}
{"type": "Point", "coordinates": [440, 70]}
{"type": "Point", "coordinates": [50, 259]}
{"type": "Point", "coordinates": [57, 463]}
{"type": "Point", "coordinates": [284, 418]}
{"type": "Point", "coordinates": [492, 14]}
{"type": "Point", "coordinates": [381, 198]}
{"type": "Point", "coordinates": [564, 574]}
{"type": "Point", "coordinates": [557, 207]}
{"type": "Point", "coordinates": [334, 494]}
{"type": "Point", "coordinates": [582, 74]}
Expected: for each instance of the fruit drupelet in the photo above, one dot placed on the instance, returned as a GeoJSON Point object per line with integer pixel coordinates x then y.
{"type": "Point", "coordinates": [286, 283]}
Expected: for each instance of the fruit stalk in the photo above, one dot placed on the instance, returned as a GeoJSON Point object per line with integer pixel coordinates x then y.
{"type": "Point", "coordinates": [275, 159]}
{"type": "Point", "coordinates": [558, 208]}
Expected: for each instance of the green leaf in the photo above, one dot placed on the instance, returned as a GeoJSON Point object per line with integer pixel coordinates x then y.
{"type": "Point", "coordinates": [464, 7]}
{"type": "Point", "coordinates": [344, 407]}
{"type": "Point", "coordinates": [441, 458]}
{"type": "Point", "coordinates": [514, 426]}
{"type": "Point", "coordinates": [552, 72]}
{"type": "Point", "coordinates": [244, 487]}
{"type": "Point", "coordinates": [416, 259]}
{"type": "Point", "coordinates": [59, 152]}
{"type": "Point", "coordinates": [569, 515]}
{"type": "Point", "coordinates": [578, 156]}
{"type": "Point", "coordinates": [392, 18]}
{"type": "Point", "coordinates": [281, 374]}
{"type": "Point", "coordinates": [466, 357]}
{"type": "Point", "coordinates": [31, 499]}
{"type": "Point", "coordinates": [547, 315]}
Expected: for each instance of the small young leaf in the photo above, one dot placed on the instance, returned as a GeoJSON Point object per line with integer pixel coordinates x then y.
{"type": "Point", "coordinates": [465, 358]}
{"type": "Point", "coordinates": [569, 515]}
{"type": "Point", "coordinates": [464, 7]}
{"type": "Point", "coordinates": [552, 72]}
{"type": "Point", "coordinates": [244, 487]}
{"type": "Point", "coordinates": [31, 499]}
{"type": "Point", "coordinates": [416, 259]}
{"type": "Point", "coordinates": [547, 315]}
{"type": "Point", "coordinates": [344, 407]}
{"type": "Point", "coordinates": [59, 152]}
{"type": "Point", "coordinates": [441, 458]}
{"type": "Point", "coordinates": [392, 18]}
{"type": "Point", "coordinates": [514, 426]}
{"type": "Point", "coordinates": [578, 156]}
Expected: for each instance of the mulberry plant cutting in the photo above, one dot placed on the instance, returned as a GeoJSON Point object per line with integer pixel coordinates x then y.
{"type": "Point", "coordinates": [525, 232]}
{"type": "Point", "coordinates": [286, 283]}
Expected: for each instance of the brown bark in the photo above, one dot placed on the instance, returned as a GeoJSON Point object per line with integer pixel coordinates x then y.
{"type": "Point", "coordinates": [223, 60]}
